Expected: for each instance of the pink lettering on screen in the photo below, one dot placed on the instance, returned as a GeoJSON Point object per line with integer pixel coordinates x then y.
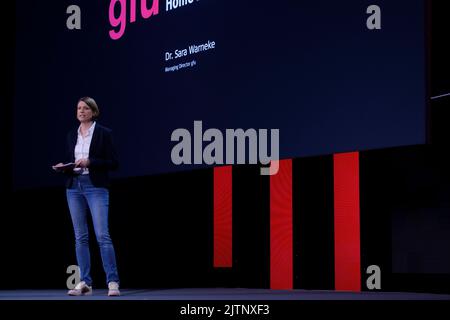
{"type": "Point", "coordinates": [119, 22]}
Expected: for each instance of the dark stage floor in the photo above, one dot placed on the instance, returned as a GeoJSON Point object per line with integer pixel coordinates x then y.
{"type": "Point", "coordinates": [219, 294]}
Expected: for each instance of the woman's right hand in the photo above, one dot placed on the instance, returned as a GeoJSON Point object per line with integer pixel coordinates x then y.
{"type": "Point", "coordinates": [57, 167]}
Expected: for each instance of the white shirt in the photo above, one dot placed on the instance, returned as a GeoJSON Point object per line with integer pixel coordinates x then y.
{"type": "Point", "coordinates": [83, 145]}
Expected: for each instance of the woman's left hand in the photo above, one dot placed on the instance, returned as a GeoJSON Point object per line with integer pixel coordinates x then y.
{"type": "Point", "coordinates": [82, 163]}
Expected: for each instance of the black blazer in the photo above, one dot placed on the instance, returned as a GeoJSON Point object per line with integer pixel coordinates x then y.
{"type": "Point", "coordinates": [102, 156]}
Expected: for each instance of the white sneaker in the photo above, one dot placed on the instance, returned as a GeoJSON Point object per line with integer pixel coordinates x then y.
{"type": "Point", "coordinates": [113, 289]}
{"type": "Point", "coordinates": [81, 289]}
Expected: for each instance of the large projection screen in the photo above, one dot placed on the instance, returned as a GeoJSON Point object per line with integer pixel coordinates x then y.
{"type": "Point", "coordinates": [318, 71]}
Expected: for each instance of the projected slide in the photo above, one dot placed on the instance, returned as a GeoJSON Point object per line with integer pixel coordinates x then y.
{"type": "Point", "coordinates": [183, 82]}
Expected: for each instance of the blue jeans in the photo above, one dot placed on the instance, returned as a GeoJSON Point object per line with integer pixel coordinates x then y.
{"type": "Point", "coordinates": [81, 197]}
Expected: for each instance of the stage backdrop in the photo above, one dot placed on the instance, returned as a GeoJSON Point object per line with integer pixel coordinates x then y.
{"type": "Point", "coordinates": [312, 69]}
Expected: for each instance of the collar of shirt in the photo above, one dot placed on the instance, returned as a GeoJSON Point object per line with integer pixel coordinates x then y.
{"type": "Point", "coordinates": [90, 130]}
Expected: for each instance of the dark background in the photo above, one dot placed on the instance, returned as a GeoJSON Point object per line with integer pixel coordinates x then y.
{"type": "Point", "coordinates": [162, 224]}
{"type": "Point", "coordinates": [310, 68]}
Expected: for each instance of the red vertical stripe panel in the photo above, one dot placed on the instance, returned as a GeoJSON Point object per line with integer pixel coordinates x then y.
{"type": "Point", "coordinates": [347, 263]}
{"type": "Point", "coordinates": [223, 253]}
{"type": "Point", "coordinates": [281, 249]}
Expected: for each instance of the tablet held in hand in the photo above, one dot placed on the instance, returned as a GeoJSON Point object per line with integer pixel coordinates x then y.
{"type": "Point", "coordinates": [63, 166]}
